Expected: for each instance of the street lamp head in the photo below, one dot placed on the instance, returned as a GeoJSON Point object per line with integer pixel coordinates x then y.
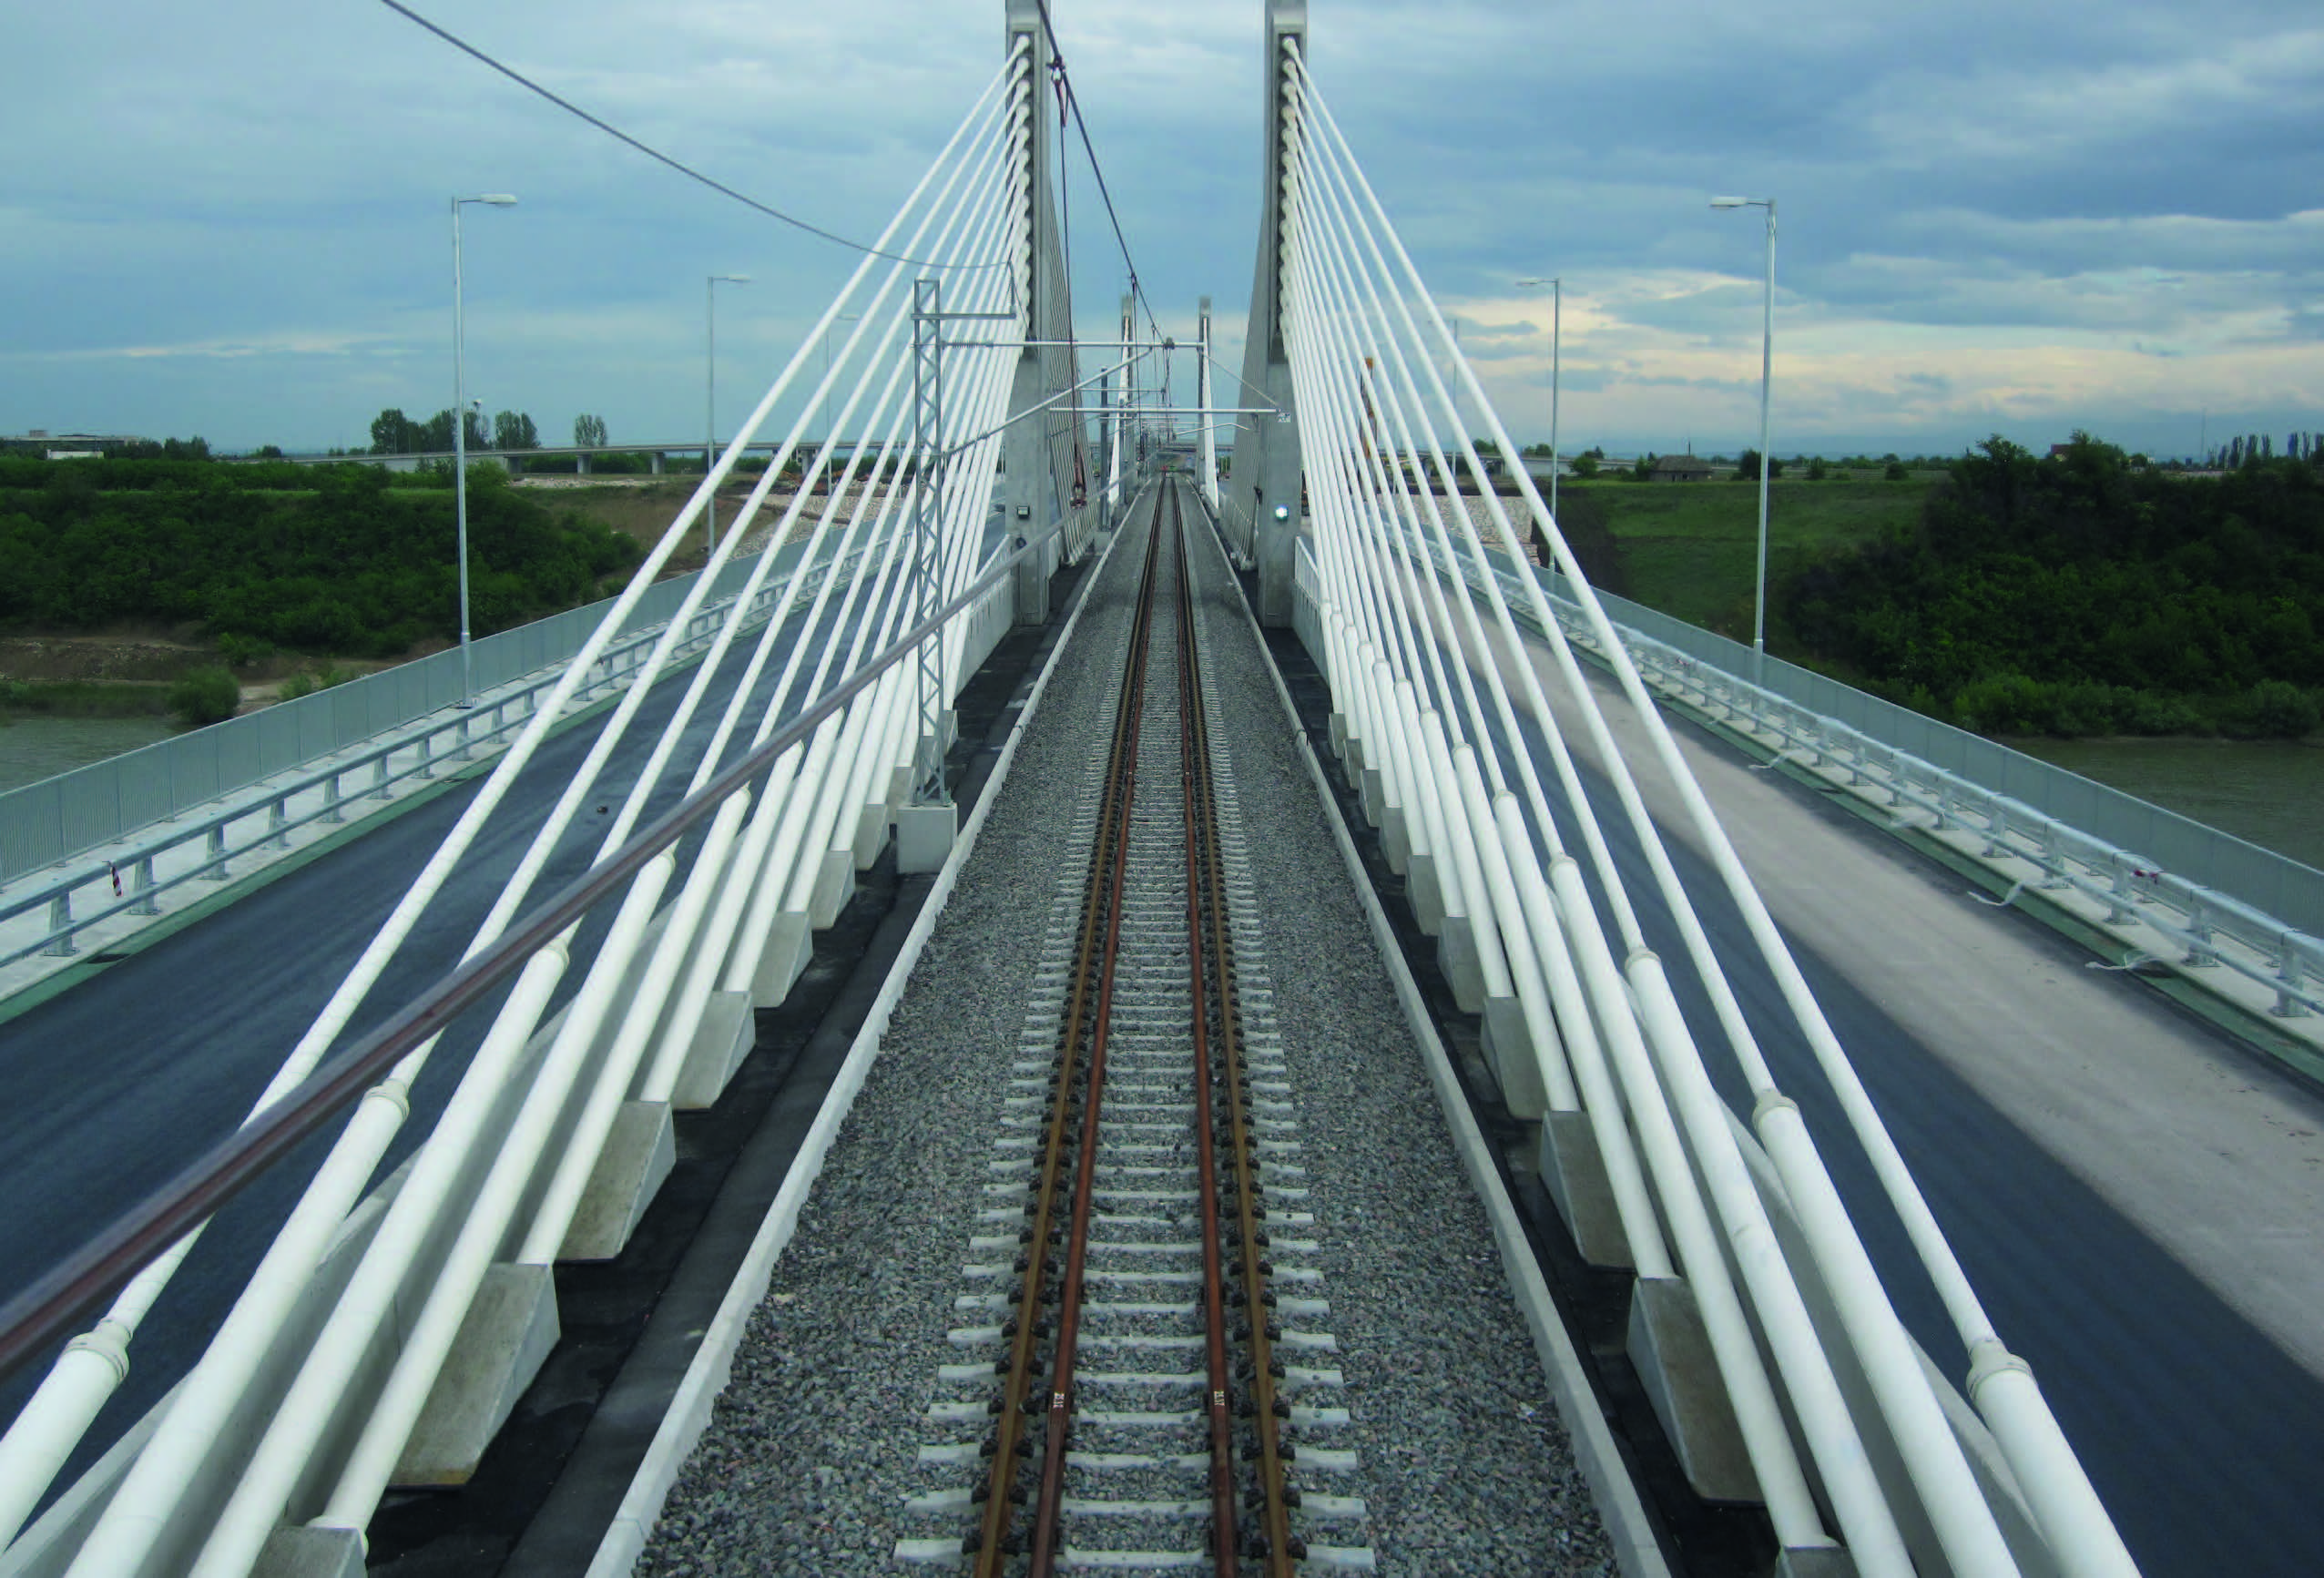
{"type": "Point", "coordinates": [731, 278]}
{"type": "Point", "coordinates": [1730, 202]}
{"type": "Point", "coordinates": [1532, 283]}
{"type": "Point", "coordinates": [499, 200]}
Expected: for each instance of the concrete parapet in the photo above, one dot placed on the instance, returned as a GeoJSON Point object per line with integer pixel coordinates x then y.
{"type": "Point", "coordinates": [509, 1332]}
{"type": "Point", "coordinates": [1508, 1044]}
{"type": "Point", "coordinates": [1456, 955]}
{"type": "Point", "coordinates": [834, 886]}
{"type": "Point", "coordinates": [725, 1036]}
{"type": "Point", "coordinates": [1574, 1172]}
{"type": "Point", "coordinates": [1396, 838]}
{"type": "Point", "coordinates": [788, 947]}
{"type": "Point", "coordinates": [305, 1552]}
{"type": "Point", "coordinates": [1672, 1356]}
{"type": "Point", "coordinates": [640, 1151]}
{"type": "Point", "coordinates": [1425, 893]}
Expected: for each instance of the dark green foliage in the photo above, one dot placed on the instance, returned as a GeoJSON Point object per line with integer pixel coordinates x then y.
{"type": "Point", "coordinates": [1581, 522]}
{"type": "Point", "coordinates": [1747, 470]}
{"type": "Point", "coordinates": [1586, 465]}
{"type": "Point", "coordinates": [2078, 594]}
{"type": "Point", "coordinates": [1894, 471]}
{"type": "Point", "coordinates": [205, 696]}
{"type": "Point", "coordinates": [317, 558]}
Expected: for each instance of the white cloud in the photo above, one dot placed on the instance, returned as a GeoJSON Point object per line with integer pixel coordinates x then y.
{"type": "Point", "coordinates": [2074, 215]}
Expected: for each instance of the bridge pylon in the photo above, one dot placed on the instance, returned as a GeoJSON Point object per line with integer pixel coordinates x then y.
{"type": "Point", "coordinates": [1044, 454]}
{"type": "Point", "coordinates": [1268, 477]}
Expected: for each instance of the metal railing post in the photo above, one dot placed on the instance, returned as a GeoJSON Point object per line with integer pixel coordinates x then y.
{"type": "Point", "coordinates": [217, 848]}
{"type": "Point", "coordinates": [60, 926]}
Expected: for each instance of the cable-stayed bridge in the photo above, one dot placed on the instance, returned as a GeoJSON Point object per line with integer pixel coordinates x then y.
{"type": "Point", "coordinates": [968, 688]}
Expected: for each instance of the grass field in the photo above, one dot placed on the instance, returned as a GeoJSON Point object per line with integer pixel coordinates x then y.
{"type": "Point", "coordinates": [1689, 548]}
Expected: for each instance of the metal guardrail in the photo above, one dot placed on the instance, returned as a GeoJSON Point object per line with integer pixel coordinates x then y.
{"type": "Point", "coordinates": [59, 818]}
{"type": "Point", "coordinates": [2023, 818]}
{"type": "Point", "coordinates": [437, 740]}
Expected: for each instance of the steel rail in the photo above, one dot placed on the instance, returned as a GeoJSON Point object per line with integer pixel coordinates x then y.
{"type": "Point", "coordinates": [990, 1545]}
{"type": "Point", "coordinates": [1194, 767]}
{"type": "Point", "coordinates": [38, 1315]}
{"type": "Point", "coordinates": [1273, 1541]}
{"type": "Point", "coordinates": [1048, 1504]}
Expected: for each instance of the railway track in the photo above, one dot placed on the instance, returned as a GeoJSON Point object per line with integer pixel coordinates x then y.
{"type": "Point", "coordinates": [1145, 1381]}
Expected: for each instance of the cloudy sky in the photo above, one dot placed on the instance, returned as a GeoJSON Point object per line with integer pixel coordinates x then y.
{"type": "Point", "coordinates": [230, 218]}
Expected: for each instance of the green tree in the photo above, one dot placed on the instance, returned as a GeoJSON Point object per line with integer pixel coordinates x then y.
{"type": "Point", "coordinates": [1642, 469]}
{"type": "Point", "coordinates": [514, 430]}
{"type": "Point", "coordinates": [1747, 468]}
{"type": "Point", "coordinates": [1586, 465]}
{"type": "Point", "coordinates": [589, 432]}
{"type": "Point", "coordinates": [393, 433]}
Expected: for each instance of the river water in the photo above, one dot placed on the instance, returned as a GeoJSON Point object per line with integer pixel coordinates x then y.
{"type": "Point", "coordinates": [2269, 792]}
{"type": "Point", "coordinates": [31, 748]}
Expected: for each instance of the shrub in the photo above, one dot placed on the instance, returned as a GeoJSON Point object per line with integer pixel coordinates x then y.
{"type": "Point", "coordinates": [242, 651]}
{"type": "Point", "coordinates": [206, 695]}
{"type": "Point", "coordinates": [1896, 472]}
{"type": "Point", "coordinates": [2274, 709]}
{"type": "Point", "coordinates": [308, 681]}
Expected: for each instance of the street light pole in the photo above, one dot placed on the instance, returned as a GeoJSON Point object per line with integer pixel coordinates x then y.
{"type": "Point", "coordinates": [711, 400]}
{"type": "Point", "coordinates": [460, 432]}
{"type": "Point", "coordinates": [1767, 367]}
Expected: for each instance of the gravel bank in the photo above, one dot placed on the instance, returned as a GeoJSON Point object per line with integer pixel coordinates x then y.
{"type": "Point", "coordinates": [817, 1443]}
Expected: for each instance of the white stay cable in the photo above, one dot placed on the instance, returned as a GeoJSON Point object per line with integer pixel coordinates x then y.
{"type": "Point", "coordinates": [2068, 1510]}
{"type": "Point", "coordinates": [159, 1476]}
{"type": "Point", "coordinates": [1872, 1532]}
{"type": "Point", "coordinates": [330, 1368]}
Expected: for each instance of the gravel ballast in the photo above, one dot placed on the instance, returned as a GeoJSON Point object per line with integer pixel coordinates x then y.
{"type": "Point", "coordinates": [816, 1445]}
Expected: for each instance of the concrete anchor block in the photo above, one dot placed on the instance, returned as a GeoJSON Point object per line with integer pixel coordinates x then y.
{"type": "Point", "coordinates": [1339, 733]}
{"type": "Point", "coordinates": [1672, 1356]}
{"type": "Point", "coordinates": [789, 948]}
{"type": "Point", "coordinates": [722, 1041]}
{"type": "Point", "coordinates": [899, 786]}
{"type": "Point", "coordinates": [1574, 1172]}
{"type": "Point", "coordinates": [924, 836]}
{"type": "Point", "coordinates": [1508, 1044]}
{"type": "Point", "coordinates": [1375, 795]}
{"type": "Point", "coordinates": [871, 824]}
{"type": "Point", "coordinates": [1353, 755]}
{"type": "Point", "coordinates": [1814, 1561]}
{"type": "Point", "coordinates": [640, 1151]}
{"type": "Point", "coordinates": [1426, 893]}
{"type": "Point", "coordinates": [1396, 840]}
{"type": "Point", "coordinates": [1456, 955]}
{"type": "Point", "coordinates": [310, 1553]}
{"type": "Point", "coordinates": [834, 886]}
{"type": "Point", "coordinates": [510, 1330]}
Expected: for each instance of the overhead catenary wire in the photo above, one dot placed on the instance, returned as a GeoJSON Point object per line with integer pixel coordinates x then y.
{"type": "Point", "coordinates": [1071, 101]}
{"type": "Point", "coordinates": [651, 152]}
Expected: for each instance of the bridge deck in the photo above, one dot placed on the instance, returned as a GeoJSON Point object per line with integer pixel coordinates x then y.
{"type": "Point", "coordinates": [2131, 1191]}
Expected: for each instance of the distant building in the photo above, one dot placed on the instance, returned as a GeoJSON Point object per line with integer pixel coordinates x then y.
{"type": "Point", "coordinates": [1681, 468]}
